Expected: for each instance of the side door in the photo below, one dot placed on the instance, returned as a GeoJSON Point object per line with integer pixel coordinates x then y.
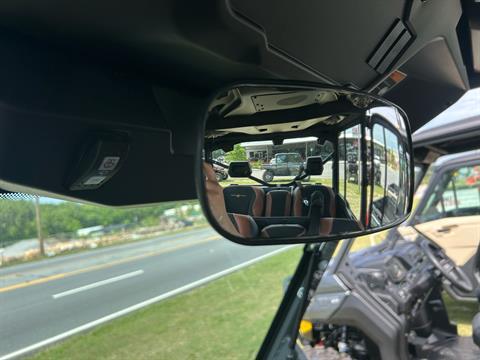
{"type": "Point", "coordinates": [294, 164]}
{"type": "Point", "coordinates": [451, 218]}
{"type": "Point", "coordinates": [281, 165]}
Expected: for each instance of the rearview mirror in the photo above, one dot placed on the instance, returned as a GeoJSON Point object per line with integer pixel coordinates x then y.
{"type": "Point", "coordinates": [305, 164]}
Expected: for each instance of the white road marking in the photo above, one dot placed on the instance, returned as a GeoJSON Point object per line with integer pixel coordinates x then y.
{"type": "Point", "coordinates": [140, 305]}
{"type": "Point", "coordinates": [98, 283]}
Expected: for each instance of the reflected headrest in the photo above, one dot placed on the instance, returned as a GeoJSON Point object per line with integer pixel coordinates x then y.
{"type": "Point", "coordinates": [314, 165]}
{"type": "Point", "coordinates": [239, 169]}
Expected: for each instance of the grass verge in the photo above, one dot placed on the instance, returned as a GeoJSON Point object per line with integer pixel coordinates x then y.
{"type": "Point", "coordinates": [461, 313]}
{"type": "Point", "coordinates": [226, 319]}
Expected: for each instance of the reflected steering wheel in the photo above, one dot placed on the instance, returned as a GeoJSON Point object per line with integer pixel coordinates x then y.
{"type": "Point", "coordinates": [447, 266]}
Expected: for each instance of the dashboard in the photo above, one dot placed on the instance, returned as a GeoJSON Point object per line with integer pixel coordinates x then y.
{"type": "Point", "coordinates": [382, 293]}
{"type": "Point", "coordinates": [401, 277]}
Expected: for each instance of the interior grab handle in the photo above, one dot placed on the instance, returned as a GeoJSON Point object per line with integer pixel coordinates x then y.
{"type": "Point", "coordinates": [446, 228]}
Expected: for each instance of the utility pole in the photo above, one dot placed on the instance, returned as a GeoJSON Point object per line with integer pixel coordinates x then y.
{"type": "Point", "coordinates": [39, 226]}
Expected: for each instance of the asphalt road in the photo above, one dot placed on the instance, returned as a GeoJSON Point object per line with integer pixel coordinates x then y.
{"type": "Point", "coordinates": [44, 299]}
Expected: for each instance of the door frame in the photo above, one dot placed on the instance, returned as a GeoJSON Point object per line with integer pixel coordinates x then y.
{"type": "Point", "coordinates": [437, 174]}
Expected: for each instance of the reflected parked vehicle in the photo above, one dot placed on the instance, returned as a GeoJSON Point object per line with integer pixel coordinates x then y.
{"type": "Point", "coordinates": [283, 164]}
{"type": "Point", "coordinates": [220, 173]}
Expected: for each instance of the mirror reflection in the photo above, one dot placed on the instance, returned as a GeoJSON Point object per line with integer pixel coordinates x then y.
{"type": "Point", "coordinates": [304, 162]}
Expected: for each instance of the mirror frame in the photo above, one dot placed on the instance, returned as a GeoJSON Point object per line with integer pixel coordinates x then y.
{"type": "Point", "coordinates": [200, 178]}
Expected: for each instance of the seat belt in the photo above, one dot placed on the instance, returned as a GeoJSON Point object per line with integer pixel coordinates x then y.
{"type": "Point", "coordinates": [305, 203]}
{"type": "Point", "coordinates": [317, 209]}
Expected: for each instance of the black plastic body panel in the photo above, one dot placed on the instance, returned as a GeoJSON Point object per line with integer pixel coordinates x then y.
{"type": "Point", "coordinates": [320, 24]}
{"type": "Point", "coordinates": [52, 102]}
{"type": "Point", "coordinates": [374, 323]}
{"type": "Point", "coordinates": [44, 157]}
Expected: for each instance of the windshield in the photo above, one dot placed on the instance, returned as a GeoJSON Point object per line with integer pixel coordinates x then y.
{"type": "Point", "coordinates": [277, 164]}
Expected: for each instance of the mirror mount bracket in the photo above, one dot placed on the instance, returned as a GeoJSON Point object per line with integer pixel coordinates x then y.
{"type": "Point", "coordinates": [260, 181]}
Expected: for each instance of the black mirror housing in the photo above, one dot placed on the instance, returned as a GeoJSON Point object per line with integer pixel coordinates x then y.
{"type": "Point", "coordinates": [361, 183]}
{"type": "Point", "coordinates": [239, 169]}
{"type": "Point", "coordinates": [314, 165]}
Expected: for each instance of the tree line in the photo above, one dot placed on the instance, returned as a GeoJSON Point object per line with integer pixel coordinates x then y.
{"type": "Point", "coordinates": [17, 218]}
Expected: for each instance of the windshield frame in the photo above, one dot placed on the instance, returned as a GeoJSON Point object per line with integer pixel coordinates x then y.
{"type": "Point", "coordinates": [329, 159]}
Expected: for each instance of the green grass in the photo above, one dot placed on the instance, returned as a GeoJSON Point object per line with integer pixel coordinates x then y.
{"type": "Point", "coordinates": [461, 313]}
{"type": "Point", "coordinates": [362, 242]}
{"type": "Point", "coordinates": [225, 319]}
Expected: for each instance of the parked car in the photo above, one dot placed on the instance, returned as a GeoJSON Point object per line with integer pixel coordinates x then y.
{"type": "Point", "coordinates": [398, 283]}
{"type": "Point", "coordinates": [449, 210]}
{"type": "Point", "coordinates": [283, 164]}
{"type": "Point", "coordinates": [449, 215]}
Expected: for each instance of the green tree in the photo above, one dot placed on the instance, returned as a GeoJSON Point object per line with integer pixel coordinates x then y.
{"type": "Point", "coordinates": [17, 221]}
{"type": "Point", "coordinates": [237, 154]}
{"type": "Point", "coordinates": [17, 217]}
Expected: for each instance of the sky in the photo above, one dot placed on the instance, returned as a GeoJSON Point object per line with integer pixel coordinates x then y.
{"type": "Point", "coordinates": [467, 106]}
{"type": "Point", "coordinates": [47, 200]}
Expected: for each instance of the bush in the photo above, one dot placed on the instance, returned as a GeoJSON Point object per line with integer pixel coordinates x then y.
{"type": "Point", "coordinates": [257, 164]}
{"type": "Point", "coordinates": [237, 154]}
